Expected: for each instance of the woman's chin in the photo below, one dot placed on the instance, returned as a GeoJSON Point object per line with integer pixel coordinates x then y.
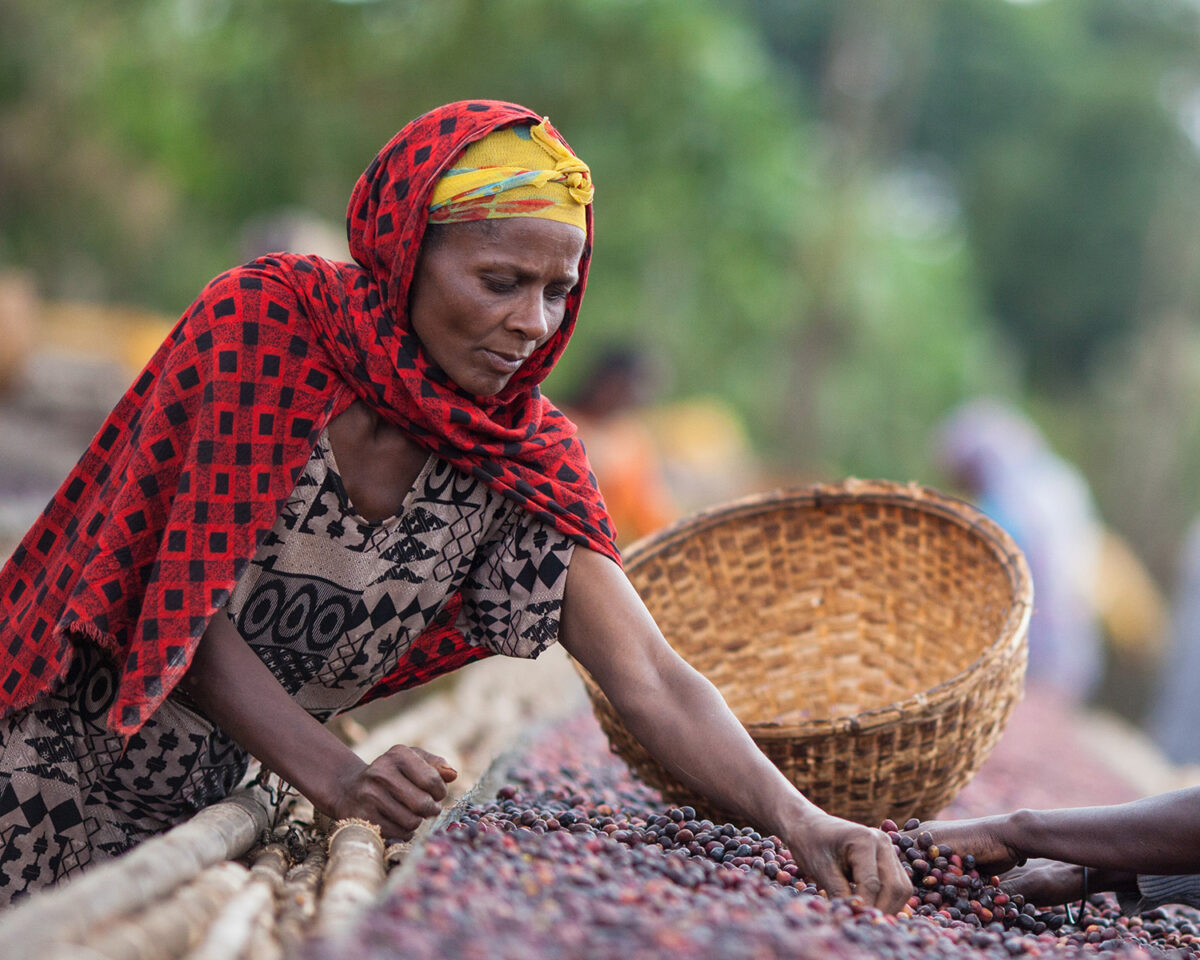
{"type": "Point", "coordinates": [484, 389]}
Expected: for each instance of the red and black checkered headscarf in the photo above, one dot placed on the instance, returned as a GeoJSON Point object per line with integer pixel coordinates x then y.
{"type": "Point", "coordinates": [148, 535]}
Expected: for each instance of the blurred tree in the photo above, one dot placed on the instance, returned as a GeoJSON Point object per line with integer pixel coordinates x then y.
{"type": "Point", "coordinates": [1054, 125]}
{"type": "Point", "coordinates": [894, 332]}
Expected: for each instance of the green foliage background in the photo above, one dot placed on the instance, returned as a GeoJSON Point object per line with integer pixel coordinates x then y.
{"type": "Point", "coordinates": [842, 217]}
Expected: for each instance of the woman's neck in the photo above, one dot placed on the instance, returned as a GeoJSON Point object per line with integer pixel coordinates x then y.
{"type": "Point", "coordinates": [378, 461]}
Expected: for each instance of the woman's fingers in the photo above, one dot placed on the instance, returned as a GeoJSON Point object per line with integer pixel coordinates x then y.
{"type": "Point", "coordinates": [412, 797]}
{"type": "Point", "coordinates": [847, 859]}
{"type": "Point", "coordinates": [876, 873]}
{"type": "Point", "coordinates": [895, 887]}
{"type": "Point", "coordinates": [394, 822]}
{"type": "Point", "coordinates": [398, 790]}
{"type": "Point", "coordinates": [864, 869]}
{"type": "Point", "coordinates": [445, 771]}
{"type": "Point", "coordinates": [833, 881]}
{"type": "Point", "coordinates": [415, 769]}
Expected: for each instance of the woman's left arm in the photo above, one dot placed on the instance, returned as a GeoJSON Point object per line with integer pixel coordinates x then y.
{"type": "Point", "coordinates": [682, 720]}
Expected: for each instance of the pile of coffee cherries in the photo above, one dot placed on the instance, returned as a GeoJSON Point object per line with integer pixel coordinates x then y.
{"type": "Point", "coordinates": [948, 886]}
{"type": "Point", "coordinates": [571, 857]}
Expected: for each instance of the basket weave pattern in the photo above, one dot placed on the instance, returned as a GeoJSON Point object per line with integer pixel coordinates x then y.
{"type": "Point", "coordinates": [871, 636]}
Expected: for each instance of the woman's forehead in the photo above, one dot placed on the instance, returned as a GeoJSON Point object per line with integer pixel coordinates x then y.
{"type": "Point", "coordinates": [518, 238]}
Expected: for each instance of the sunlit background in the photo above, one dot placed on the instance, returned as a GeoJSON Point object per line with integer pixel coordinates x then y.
{"type": "Point", "coordinates": [833, 221]}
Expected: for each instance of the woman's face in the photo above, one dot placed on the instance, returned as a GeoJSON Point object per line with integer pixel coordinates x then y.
{"type": "Point", "coordinates": [486, 295]}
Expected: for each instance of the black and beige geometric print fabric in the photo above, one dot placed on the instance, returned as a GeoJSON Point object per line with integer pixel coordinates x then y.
{"type": "Point", "coordinates": [331, 603]}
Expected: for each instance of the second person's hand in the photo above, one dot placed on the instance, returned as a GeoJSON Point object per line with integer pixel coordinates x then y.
{"type": "Point", "coordinates": [1044, 882]}
{"type": "Point", "coordinates": [984, 838]}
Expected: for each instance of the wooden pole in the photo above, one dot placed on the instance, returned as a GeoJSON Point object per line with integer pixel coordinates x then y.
{"type": "Point", "coordinates": [245, 927]}
{"type": "Point", "coordinates": [298, 901]}
{"type": "Point", "coordinates": [353, 876]}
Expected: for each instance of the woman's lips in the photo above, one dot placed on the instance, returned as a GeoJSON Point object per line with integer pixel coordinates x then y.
{"type": "Point", "coordinates": [503, 362]}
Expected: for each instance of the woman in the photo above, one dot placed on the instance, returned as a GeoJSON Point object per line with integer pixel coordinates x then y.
{"type": "Point", "coordinates": [1147, 851]}
{"type": "Point", "coordinates": [334, 481]}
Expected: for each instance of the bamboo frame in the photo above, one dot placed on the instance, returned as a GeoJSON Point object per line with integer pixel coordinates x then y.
{"type": "Point", "coordinates": [298, 899]}
{"type": "Point", "coordinates": [166, 929]}
{"type": "Point", "coordinates": [147, 873]}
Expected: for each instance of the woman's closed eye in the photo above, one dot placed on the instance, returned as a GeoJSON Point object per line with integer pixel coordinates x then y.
{"type": "Point", "coordinates": [557, 291]}
{"type": "Point", "coordinates": [500, 284]}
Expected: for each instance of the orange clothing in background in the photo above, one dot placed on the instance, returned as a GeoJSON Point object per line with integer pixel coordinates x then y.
{"type": "Point", "coordinates": [625, 459]}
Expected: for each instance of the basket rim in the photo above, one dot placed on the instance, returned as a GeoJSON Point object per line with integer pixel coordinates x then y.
{"type": "Point", "coordinates": [887, 492]}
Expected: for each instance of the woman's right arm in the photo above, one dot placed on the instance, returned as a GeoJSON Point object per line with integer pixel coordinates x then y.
{"type": "Point", "coordinates": [237, 691]}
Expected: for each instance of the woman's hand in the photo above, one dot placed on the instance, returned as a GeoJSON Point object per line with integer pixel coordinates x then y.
{"type": "Point", "coordinates": [987, 839]}
{"type": "Point", "coordinates": [847, 859]}
{"type": "Point", "coordinates": [396, 791]}
{"type": "Point", "coordinates": [235, 689]}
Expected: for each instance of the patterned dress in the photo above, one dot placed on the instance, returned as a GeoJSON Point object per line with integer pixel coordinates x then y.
{"type": "Point", "coordinates": [331, 603]}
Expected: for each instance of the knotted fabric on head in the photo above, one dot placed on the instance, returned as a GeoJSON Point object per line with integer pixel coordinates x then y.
{"type": "Point", "coordinates": [520, 171]}
{"type": "Point", "coordinates": [148, 535]}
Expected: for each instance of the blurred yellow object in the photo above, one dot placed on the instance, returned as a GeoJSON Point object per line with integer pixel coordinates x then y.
{"type": "Point", "coordinates": [18, 309]}
{"type": "Point", "coordinates": [142, 339]}
{"type": "Point", "coordinates": [701, 430]}
{"type": "Point", "coordinates": [705, 450]}
{"type": "Point", "coordinates": [1129, 603]}
{"type": "Point", "coordinates": [115, 332]}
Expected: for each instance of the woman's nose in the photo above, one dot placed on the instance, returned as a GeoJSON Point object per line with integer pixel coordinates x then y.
{"type": "Point", "coordinates": [531, 319]}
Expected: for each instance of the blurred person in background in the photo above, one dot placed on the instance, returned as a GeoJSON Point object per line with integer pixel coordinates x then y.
{"type": "Point", "coordinates": [1134, 620]}
{"type": "Point", "coordinates": [292, 230]}
{"type": "Point", "coordinates": [658, 461]}
{"type": "Point", "coordinates": [334, 481]}
{"type": "Point", "coordinates": [606, 407]}
{"type": "Point", "coordinates": [1000, 459]}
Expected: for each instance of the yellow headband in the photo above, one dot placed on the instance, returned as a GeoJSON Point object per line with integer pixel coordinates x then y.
{"type": "Point", "coordinates": [522, 171]}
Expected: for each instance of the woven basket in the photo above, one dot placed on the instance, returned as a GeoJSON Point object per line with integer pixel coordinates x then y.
{"type": "Point", "coordinates": [871, 636]}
